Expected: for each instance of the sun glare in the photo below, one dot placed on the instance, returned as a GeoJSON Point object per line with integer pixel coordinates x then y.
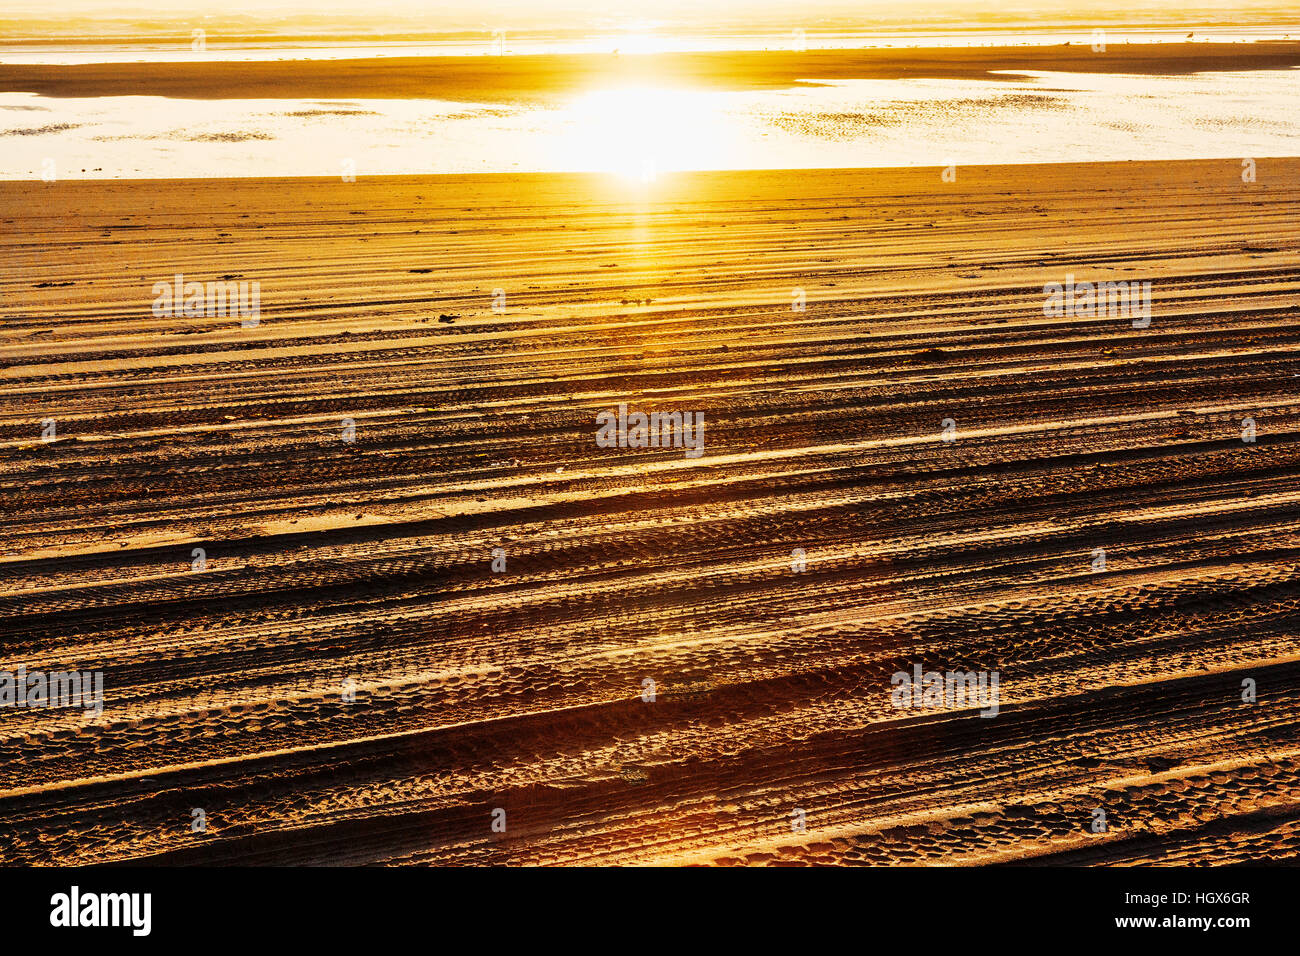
{"type": "Point", "coordinates": [638, 133]}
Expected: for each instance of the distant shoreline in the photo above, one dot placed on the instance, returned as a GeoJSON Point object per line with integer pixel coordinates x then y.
{"type": "Point", "coordinates": [522, 77]}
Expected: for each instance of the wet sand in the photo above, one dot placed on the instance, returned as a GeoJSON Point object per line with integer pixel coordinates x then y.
{"type": "Point", "coordinates": [330, 562]}
{"type": "Point", "coordinates": [533, 77]}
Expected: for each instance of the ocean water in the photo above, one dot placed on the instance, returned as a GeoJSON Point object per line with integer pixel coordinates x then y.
{"type": "Point", "coordinates": [179, 48]}
{"type": "Point", "coordinates": [642, 132]}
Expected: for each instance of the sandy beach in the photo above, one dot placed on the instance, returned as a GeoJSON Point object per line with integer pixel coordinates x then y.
{"type": "Point", "coordinates": [521, 78]}
{"type": "Point", "coordinates": [398, 636]}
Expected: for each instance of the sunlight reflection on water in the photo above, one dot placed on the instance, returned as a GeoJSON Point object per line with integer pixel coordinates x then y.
{"type": "Point", "coordinates": [1040, 117]}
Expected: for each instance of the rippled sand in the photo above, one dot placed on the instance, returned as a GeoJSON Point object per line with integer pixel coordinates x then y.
{"type": "Point", "coordinates": [367, 565]}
